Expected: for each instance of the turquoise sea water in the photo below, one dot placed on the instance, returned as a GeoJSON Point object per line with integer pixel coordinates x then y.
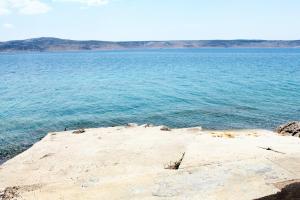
{"type": "Point", "coordinates": [213, 88]}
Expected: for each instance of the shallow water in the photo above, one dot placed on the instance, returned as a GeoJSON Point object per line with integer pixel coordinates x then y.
{"type": "Point", "coordinates": [213, 88]}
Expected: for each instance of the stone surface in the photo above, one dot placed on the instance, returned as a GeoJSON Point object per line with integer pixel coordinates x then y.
{"type": "Point", "coordinates": [165, 128]}
{"type": "Point", "coordinates": [290, 128]}
{"type": "Point", "coordinates": [128, 163]}
{"type": "Point", "coordinates": [79, 131]}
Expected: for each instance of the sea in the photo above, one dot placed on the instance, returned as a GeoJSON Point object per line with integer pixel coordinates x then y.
{"type": "Point", "coordinates": [212, 88]}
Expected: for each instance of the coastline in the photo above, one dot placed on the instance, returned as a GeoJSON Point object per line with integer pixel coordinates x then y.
{"type": "Point", "coordinates": [57, 44]}
{"type": "Point", "coordinates": [177, 96]}
{"type": "Point", "coordinates": [129, 162]}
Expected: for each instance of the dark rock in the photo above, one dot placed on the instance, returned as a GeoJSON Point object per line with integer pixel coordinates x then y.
{"type": "Point", "coordinates": [290, 192]}
{"type": "Point", "coordinates": [291, 128]}
{"type": "Point", "coordinates": [175, 165]}
{"type": "Point", "coordinates": [79, 131]}
{"type": "Point", "coordinates": [9, 193]}
{"type": "Point", "coordinates": [165, 128]}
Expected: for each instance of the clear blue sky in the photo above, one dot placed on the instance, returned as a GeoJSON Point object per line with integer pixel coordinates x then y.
{"type": "Point", "coordinates": [119, 20]}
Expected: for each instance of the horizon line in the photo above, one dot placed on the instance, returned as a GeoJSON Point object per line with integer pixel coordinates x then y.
{"type": "Point", "coordinates": [237, 39]}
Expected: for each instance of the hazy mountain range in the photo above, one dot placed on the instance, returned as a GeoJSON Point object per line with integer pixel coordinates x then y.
{"type": "Point", "coordinates": [56, 44]}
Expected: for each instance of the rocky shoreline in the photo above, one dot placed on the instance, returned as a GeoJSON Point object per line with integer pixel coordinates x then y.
{"type": "Point", "coordinates": [156, 162]}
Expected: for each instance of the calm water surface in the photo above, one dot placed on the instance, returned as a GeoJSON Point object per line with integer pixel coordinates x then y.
{"type": "Point", "coordinates": [213, 88]}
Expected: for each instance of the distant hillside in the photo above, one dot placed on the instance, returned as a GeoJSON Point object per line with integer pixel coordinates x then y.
{"type": "Point", "coordinates": [55, 44]}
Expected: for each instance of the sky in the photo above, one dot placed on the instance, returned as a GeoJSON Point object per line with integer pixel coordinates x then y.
{"type": "Point", "coordinates": [136, 20]}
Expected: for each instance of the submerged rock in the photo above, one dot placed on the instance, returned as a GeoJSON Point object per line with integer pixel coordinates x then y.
{"type": "Point", "coordinates": [290, 128]}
